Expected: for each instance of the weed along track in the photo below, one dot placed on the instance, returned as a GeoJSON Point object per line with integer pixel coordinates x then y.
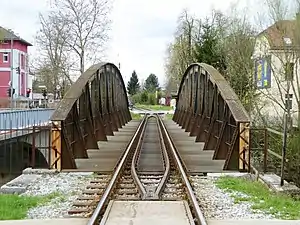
{"type": "Point", "coordinates": [149, 169]}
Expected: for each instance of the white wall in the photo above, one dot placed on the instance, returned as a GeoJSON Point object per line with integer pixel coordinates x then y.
{"type": "Point", "coordinates": [271, 100]}
{"type": "Point", "coordinates": [15, 75]}
{"type": "Point", "coordinates": [29, 84]}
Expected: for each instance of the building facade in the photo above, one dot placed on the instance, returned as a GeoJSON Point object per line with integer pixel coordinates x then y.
{"type": "Point", "coordinates": [277, 66]}
{"type": "Point", "coordinates": [14, 57]}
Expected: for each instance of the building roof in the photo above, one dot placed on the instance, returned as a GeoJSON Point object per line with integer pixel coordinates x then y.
{"type": "Point", "coordinates": [7, 35]}
{"type": "Point", "coordinates": [283, 34]}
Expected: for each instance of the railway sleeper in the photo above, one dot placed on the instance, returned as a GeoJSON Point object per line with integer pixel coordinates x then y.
{"type": "Point", "coordinates": [88, 197]}
{"type": "Point", "coordinates": [127, 197]}
{"type": "Point", "coordinates": [93, 191]}
{"type": "Point", "coordinates": [84, 203]}
{"type": "Point", "coordinates": [126, 185]}
{"type": "Point", "coordinates": [79, 210]}
{"type": "Point", "coordinates": [168, 197]}
{"type": "Point", "coordinates": [150, 181]}
{"type": "Point", "coordinates": [127, 191]}
{"type": "Point", "coordinates": [126, 181]}
{"type": "Point", "coordinates": [97, 186]}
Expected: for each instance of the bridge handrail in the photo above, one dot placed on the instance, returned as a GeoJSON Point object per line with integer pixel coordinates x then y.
{"type": "Point", "coordinates": [14, 110]}
{"type": "Point", "coordinates": [14, 119]}
{"type": "Point", "coordinates": [75, 91]}
{"type": "Point", "coordinates": [230, 97]}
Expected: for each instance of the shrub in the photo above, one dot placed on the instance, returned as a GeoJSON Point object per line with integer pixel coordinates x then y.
{"type": "Point", "coordinates": [136, 98]}
{"type": "Point", "coordinates": [293, 166]}
{"type": "Point", "coordinates": [151, 99]}
{"type": "Point", "coordinates": [144, 97]}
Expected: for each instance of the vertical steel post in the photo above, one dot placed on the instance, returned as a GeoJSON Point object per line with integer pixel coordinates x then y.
{"type": "Point", "coordinates": [265, 149]}
{"type": "Point", "coordinates": [285, 127]}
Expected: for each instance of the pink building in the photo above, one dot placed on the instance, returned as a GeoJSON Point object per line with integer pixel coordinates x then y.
{"type": "Point", "coordinates": [18, 61]}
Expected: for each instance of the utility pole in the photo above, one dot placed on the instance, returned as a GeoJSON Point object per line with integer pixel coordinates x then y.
{"type": "Point", "coordinates": [11, 73]}
{"type": "Point", "coordinates": [288, 106]}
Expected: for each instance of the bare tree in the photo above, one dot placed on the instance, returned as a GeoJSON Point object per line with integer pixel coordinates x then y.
{"type": "Point", "coordinates": [179, 53]}
{"type": "Point", "coordinates": [237, 39]}
{"type": "Point", "coordinates": [88, 25]}
{"type": "Point", "coordinates": [279, 45]}
{"type": "Point", "coordinates": [72, 35]}
{"type": "Point", "coordinates": [53, 64]}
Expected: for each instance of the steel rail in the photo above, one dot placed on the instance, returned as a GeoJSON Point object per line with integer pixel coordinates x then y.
{"type": "Point", "coordinates": [163, 181]}
{"type": "Point", "coordinates": [115, 176]}
{"type": "Point", "coordinates": [135, 160]}
{"type": "Point", "coordinates": [199, 215]}
{"type": "Point", "coordinates": [166, 175]}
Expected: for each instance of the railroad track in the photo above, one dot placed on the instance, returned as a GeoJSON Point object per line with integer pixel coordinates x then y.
{"type": "Point", "coordinates": [149, 169]}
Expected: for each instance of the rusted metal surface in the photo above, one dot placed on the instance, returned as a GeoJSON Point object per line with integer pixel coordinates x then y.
{"type": "Point", "coordinates": [94, 107]}
{"type": "Point", "coordinates": [104, 160]}
{"type": "Point", "coordinates": [195, 159]}
{"type": "Point", "coordinates": [209, 109]}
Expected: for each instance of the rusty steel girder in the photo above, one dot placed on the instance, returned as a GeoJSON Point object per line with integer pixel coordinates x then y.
{"type": "Point", "coordinates": [94, 107]}
{"type": "Point", "coordinates": [209, 109]}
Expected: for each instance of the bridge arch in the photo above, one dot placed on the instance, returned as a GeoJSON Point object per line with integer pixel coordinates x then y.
{"type": "Point", "coordinates": [93, 108]}
{"type": "Point", "coordinates": [209, 109]}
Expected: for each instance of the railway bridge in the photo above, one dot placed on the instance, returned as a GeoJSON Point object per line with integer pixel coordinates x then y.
{"type": "Point", "coordinates": [210, 127]}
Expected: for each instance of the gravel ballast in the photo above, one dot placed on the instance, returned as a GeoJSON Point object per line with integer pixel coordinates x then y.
{"type": "Point", "coordinates": [67, 187]}
{"type": "Point", "coordinates": [215, 203]}
{"type": "Point", "coordinates": [218, 204]}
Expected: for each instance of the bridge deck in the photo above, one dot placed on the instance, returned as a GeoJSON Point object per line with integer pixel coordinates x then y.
{"type": "Point", "coordinates": [105, 158]}
{"type": "Point", "coordinates": [195, 158]}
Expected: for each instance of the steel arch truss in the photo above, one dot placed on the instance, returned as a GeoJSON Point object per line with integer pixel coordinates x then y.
{"type": "Point", "coordinates": [209, 109]}
{"type": "Point", "coordinates": [94, 107]}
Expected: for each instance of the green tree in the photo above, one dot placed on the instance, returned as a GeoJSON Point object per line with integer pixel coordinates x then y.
{"type": "Point", "coordinates": [151, 83]}
{"type": "Point", "coordinates": [144, 97]}
{"type": "Point", "coordinates": [207, 48]}
{"type": "Point", "coordinates": [225, 42]}
{"type": "Point", "coordinates": [180, 51]}
{"type": "Point", "coordinates": [239, 45]}
{"type": "Point", "coordinates": [133, 85]}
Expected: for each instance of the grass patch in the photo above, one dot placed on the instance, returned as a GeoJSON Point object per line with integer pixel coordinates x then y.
{"type": "Point", "coordinates": [280, 205]}
{"type": "Point", "coordinates": [168, 116]}
{"type": "Point", "coordinates": [15, 207]}
{"type": "Point", "coordinates": [153, 107]}
{"type": "Point", "coordinates": [136, 116]}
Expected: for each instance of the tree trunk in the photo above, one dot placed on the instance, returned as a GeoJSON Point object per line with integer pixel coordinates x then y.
{"type": "Point", "coordinates": [82, 62]}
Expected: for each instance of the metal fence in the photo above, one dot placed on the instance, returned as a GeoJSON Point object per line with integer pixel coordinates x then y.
{"type": "Point", "coordinates": [20, 118]}
{"type": "Point", "coordinates": [266, 144]}
{"type": "Point", "coordinates": [25, 141]}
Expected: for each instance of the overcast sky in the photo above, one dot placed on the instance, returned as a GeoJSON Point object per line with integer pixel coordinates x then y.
{"type": "Point", "coordinates": [140, 33]}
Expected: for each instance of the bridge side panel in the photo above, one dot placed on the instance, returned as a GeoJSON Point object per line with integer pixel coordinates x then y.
{"type": "Point", "coordinates": [208, 108]}
{"type": "Point", "coordinates": [94, 107]}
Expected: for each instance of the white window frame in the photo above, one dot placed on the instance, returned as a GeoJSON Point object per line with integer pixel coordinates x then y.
{"type": "Point", "coordinates": [5, 54]}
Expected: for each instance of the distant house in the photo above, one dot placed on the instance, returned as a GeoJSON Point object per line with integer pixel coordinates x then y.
{"type": "Point", "coordinates": [18, 61]}
{"type": "Point", "coordinates": [276, 55]}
